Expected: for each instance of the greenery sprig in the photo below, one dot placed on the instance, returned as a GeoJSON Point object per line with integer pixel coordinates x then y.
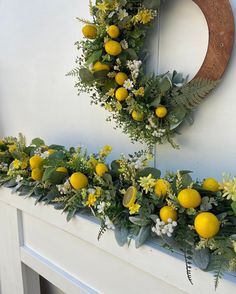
{"type": "Point", "coordinates": [195, 217]}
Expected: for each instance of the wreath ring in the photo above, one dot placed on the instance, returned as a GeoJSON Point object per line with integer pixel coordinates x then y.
{"type": "Point", "coordinates": [149, 108]}
{"type": "Point", "coordinates": [220, 22]}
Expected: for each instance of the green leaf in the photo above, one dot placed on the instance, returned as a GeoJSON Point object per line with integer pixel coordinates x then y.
{"type": "Point", "coordinates": [121, 235]}
{"type": "Point", "coordinates": [143, 235]}
{"type": "Point", "coordinates": [47, 173]}
{"type": "Point", "coordinates": [152, 4]}
{"type": "Point", "coordinates": [37, 142]}
{"type": "Point", "coordinates": [131, 54]}
{"type": "Point", "coordinates": [193, 93]}
{"type": "Point", "coordinates": [201, 258]}
{"type": "Point", "coordinates": [85, 75]}
{"type": "Point", "coordinates": [165, 85]}
{"type": "Point", "coordinates": [57, 147]}
{"type": "Point", "coordinates": [10, 184]}
{"type": "Point", "coordinates": [70, 214]}
{"type": "Point", "coordinates": [94, 57]}
{"type": "Point", "coordinates": [156, 101]}
{"type": "Point", "coordinates": [156, 173]}
{"type": "Point", "coordinates": [101, 74]}
{"type": "Point", "coordinates": [179, 113]}
{"type": "Point", "coordinates": [139, 221]}
{"type": "Point", "coordinates": [233, 205]}
{"type": "Point", "coordinates": [60, 155]}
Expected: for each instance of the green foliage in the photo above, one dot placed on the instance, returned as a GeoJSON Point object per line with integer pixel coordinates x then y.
{"type": "Point", "coordinates": [193, 93]}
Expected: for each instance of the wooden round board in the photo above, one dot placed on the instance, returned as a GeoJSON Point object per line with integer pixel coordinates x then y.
{"type": "Point", "coordinates": [220, 20]}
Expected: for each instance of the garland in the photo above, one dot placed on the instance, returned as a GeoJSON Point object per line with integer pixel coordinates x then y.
{"type": "Point", "coordinates": [195, 217]}
{"type": "Point", "coordinates": [112, 68]}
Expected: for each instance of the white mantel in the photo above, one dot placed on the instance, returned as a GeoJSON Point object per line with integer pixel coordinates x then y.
{"type": "Point", "coordinates": [70, 257]}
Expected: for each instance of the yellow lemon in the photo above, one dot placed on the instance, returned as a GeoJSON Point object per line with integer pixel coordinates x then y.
{"type": "Point", "coordinates": [101, 169]}
{"type": "Point", "coordinates": [89, 31]}
{"type": "Point", "coordinates": [78, 180]}
{"type": "Point", "coordinates": [130, 197]}
{"type": "Point", "coordinates": [210, 184]}
{"type": "Point", "coordinates": [168, 212]}
{"type": "Point", "coordinates": [62, 169]}
{"type": "Point", "coordinates": [162, 187]}
{"type": "Point", "coordinates": [206, 224]}
{"type": "Point", "coordinates": [120, 78]}
{"type": "Point", "coordinates": [189, 198]}
{"type": "Point", "coordinates": [51, 151]}
{"type": "Point", "coordinates": [98, 66]}
{"type": "Point", "coordinates": [36, 174]}
{"type": "Point", "coordinates": [113, 31]}
{"type": "Point", "coordinates": [113, 48]}
{"type": "Point", "coordinates": [35, 161]}
{"type": "Point", "coordinates": [161, 111]}
{"type": "Point", "coordinates": [137, 115]}
{"type": "Point", "coordinates": [121, 94]}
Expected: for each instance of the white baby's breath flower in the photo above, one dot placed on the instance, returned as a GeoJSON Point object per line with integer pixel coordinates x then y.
{"type": "Point", "coordinates": [111, 74]}
{"type": "Point", "coordinates": [124, 44]}
{"type": "Point", "coordinates": [65, 188]}
{"type": "Point", "coordinates": [161, 228]}
{"type": "Point", "coordinates": [128, 84]}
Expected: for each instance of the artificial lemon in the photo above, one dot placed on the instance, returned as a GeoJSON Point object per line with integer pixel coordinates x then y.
{"type": "Point", "coordinates": [62, 169]}
{"type": "Point", "coordinates": [162, 187]}
{"type": "Point", "coordinates": [167, 213]}
{"type": "Point", "coordinates": [51, 151]}
{"type": "Point", "coordinates": [89, 31]}
{"type": "Point", "coordinates": [36, 174]}
{"type": "Point", "coordinates": [161, 111]}
{"type": "Point", "coordinates": [121, 94]}
{"type": "Point", "coordinates": [210, 184]}
{"type": "Point", "coordinates": [137, 115]}
{"type": "Point", "coordinates": [35, 161]}
{"type": "Point", "coordinates": [206, 224]}
{"type": "Point", "coordinates": [101, 169]}
{"type": "Point", "coordinates": [78, 180]}
{"type": "Point", "coordinates": [113, 31]}
{"type": "Point", "coordinates": [130, 197]}
{"type": "Point", "coordinates": [98, 66]}
{"type": "Point", "coordinates": [120, 78]}
{"type": "Point", "coordinates": [113, 48]}
{"type": "Point", "coordinates": [189, 198]}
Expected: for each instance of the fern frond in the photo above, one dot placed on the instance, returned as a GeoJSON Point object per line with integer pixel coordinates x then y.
{"type": "Point", "coordinates": [188, 264]}
{"type": "Point", "coordinates": [84, 20]}
{"type": "Point", "coordinates": [193, 93]}
{"type": "Point", "coordinates": [74, 72]}
{"type": "Point", "coordinates": [219, 268]}
{"type": "Point", "coordinates": [102, 230]}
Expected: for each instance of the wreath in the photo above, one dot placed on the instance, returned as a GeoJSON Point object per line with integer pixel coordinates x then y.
{"type": "Point", "coordinates": [149, 108]}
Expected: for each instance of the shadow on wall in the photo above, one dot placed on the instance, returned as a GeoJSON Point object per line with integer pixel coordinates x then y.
{"type": "Point", "coordinates": [48, 288]}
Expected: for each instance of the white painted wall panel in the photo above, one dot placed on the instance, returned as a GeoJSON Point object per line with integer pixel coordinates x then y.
{"type": "Point", "coordinates": [207, 147]}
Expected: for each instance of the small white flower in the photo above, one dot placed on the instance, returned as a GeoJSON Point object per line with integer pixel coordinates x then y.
{"type": "Point", "coordinates": [122, 13]}
{"type": "Point", "coordinates": [111, 14]}
{"type": "Point", "coordinates": [111, 74]}
{"type": "Point", "coordinates": [161, 228]}
{"type": "Point", "coordinates": [128, 84]}
{"type": "Point", "coordinates": [91, 66]}
{"type": "Point", "coordinates": [101, 207]}
{"type": "Point", "coordinates": [117, 67]}
{"type": "Point", "coordinates": [65, 188]}
{"type": "Point", "coordinates": [19, 178]}
{"type": "Point", "coordinates": [109, 223]}
{"type": "Point", "coordinates": [124, 44]}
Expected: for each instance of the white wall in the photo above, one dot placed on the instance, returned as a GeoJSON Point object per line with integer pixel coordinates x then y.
{"type": "Point", "coordinates": [208, 147]}
{"type": "Point", "coordinates": [37, 50]}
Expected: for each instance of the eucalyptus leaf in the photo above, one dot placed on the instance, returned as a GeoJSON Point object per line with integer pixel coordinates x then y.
{"type": "Point", "coordinates": [37, 142]}
{"type": "Point", "coordinates": [143, 235]}
{"type": "Point", "coordinates": [85, 76]}
{"type": "Point", "coordinates": [101, 74]}
{"type": "Point", "coordinates": [152, 4]}
{"type": "Point", "coordinates": [139, 221]}
{"type": "Point", "coordinates": [121, 235]}
{"type": "Point", "coordinates": [170, 241]}
{"type": "Point", "coordinates": [156, 101]}
{"type": "Point", "coordinates": [94, 57]}
{"type": "Point", "coordinates": [70, 214]}
{"type": "Point", "coordinates": [10, 184]}
{"type": "Point", "coordinates": [233, 205]}
{"type": "Point", "coordinates": [165, 84]}
{"type": "Point", "coordinates": [201, 258]}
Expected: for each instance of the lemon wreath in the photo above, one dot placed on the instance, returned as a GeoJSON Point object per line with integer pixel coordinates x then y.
{"type": "Point", "coordinates": [112, 67]}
